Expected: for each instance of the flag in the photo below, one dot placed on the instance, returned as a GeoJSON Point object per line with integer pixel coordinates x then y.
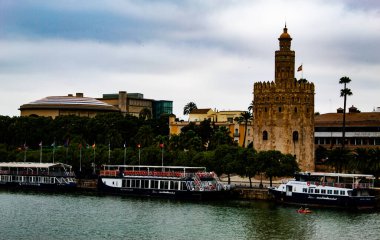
{"type": "Point", "coordinates": [53, 144]}
{"type": "Point", "coordinates": [161, 145]}
{"type": "Point", "coordinates": [80, 145]}
{"type": "Point", "coordinates": [125, 145]}
{"type": "Point", "coordinates": [299, 68]}
{"type": "Point", "coordinates": [138, 145]}
{"type": "Point", "coordinates": [25, 146]}
{"type": "Point", "coordinates": [93, 145]}
{"type": "Point", "coordinates": [40, 144]}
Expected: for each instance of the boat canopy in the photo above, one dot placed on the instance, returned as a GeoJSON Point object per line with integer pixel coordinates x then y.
{"type": "Point", "coordinates": [182, 168]}
{"type": "Point", "coordinates": [32, 165]}
{"type": "Point", "coordinates": [343, 175]}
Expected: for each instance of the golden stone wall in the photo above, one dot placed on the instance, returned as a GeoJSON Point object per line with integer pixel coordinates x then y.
{"type": "Point", "coordinates": [284, 110]}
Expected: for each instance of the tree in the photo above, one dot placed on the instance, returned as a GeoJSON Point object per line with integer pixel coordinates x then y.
{"type": "Point", "coordinates": [344, 93]}
{"type": "Point", "coordinates": [374, 163]}
{"type": "Point", "coordinates": [189, 107]}
{"type": "Point", "coordinates": [144, 136]}
{"type": "Point", "coordinates": [269, 162]}
{"type": "Point", "coordinates": [245, 117]}
{"type": "Point", "coordinates": [145, 114]}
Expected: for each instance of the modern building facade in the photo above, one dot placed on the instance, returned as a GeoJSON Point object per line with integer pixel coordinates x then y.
{"type": "Point", "coordinates": [284, 110]}
{"type": "Point", "coordinates": [228, 119]}
{"type": "Point", "coordinates": [134, 103]}
{"type": "Point", "coordinates": [55, 106]}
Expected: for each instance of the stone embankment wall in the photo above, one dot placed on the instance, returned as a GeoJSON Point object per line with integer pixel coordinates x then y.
{"type": "Point", "coordinates": [87, 184]}
{"type": "Point", "coordinates": [252, 193]}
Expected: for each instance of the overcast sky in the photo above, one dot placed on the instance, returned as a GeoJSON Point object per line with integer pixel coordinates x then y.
{"type": "Point", "coordinates": [210, 52]}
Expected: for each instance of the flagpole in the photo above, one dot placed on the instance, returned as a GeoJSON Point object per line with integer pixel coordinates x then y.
{"type": "Point", "coordinates": [109, 151]}
{"type": "Point", "coordinates": [139, 156]}
{"type": "Point", "coordinates": [80, 158]}
{"type": "Point", "coordinates": [25, 148]}
{"type": "Point", "coordinates": [41, 152]}
{"type": "Point", "coordinates": [162, 157]}
{"type": "Point", "coordinates": [125, 153]}
{"type": "Point", "coordinates": [53, 149]}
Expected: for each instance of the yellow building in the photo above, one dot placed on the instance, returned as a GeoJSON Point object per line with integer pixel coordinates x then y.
{"type": "Point", "coordinates": [228, 119]}
{"type": "Point", "coordinates": [55, 106]}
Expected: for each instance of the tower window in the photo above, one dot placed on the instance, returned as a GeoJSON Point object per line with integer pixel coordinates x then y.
{"type": "Point", "coordinates": [279, 109]}
{"type": "Point", "coordinates": [265, 109]}
{"type": "Point", "coordinates": [265, 135]}
{"type": "Point", "coordinates": [295, 109]}
{"type": "Point", "coordinates": [295, 136]}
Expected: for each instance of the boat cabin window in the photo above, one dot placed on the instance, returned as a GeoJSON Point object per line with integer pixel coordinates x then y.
{"type": "Point", "coordinates": [145, 184]}
{"type": "Point", "coordinates": [316, 190]}
{"type": "Point", "coordinates": [336, 192]}
{"type": "Point", "coordinates": [175, 185]}
{"type": "Point", "coordinates": [329, 191]}
{"type": "Point", "coordinates": [342, 192]}
{"type": "Point", "coordinates": [311, 190]}
{"type": "Point", "coordinates": [183, 186]}
{"type": "Point", "coordinates": [323, 191]}
{"type": "Point", "coordinates": [304, 190]}
{"type": "Point", "coordinates": [154, 184]}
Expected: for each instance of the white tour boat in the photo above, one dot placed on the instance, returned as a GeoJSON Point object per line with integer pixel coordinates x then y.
{"type": "Point", "coordinates": [31, 175]}
{"type": "Point", "coordinates": [354, 191]}
{"type": "Point", "coordinates": [167, 181]}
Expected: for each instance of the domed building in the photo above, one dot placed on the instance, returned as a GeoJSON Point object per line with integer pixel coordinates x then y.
{"type": "Point", "coordinates": [284, 110]}
{"type": "Point", "coordinates": [77, 105]}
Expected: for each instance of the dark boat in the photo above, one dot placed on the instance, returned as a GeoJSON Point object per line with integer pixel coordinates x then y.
{"type": "Point", "coordinates": [353, 191]}
{"type": "Point", "coordinates": [39, 176]}
{"type": "Point", "coordinates": [158, 181]}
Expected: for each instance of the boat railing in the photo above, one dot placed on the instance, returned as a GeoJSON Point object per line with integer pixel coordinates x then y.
{"type": "Point", "coordinates": [39, 173]}
{"type": "Point", "coordinates": [114, 173]}
{"type": "Point", "coordinates": [342, 185]}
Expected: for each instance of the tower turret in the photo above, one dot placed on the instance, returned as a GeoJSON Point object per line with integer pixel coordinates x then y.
{"type": "Point", "coordinates": [284, 59]}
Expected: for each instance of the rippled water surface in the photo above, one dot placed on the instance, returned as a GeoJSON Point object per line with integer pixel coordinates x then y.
{"type": "Point", "coordinates": [60, 216]}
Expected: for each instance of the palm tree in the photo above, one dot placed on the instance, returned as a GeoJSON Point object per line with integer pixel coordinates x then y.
{"type": "Point", "coordinates": [344, 93]}
{"type": "Point", "coordinates": [189, 107]}
{"type": "Point", "coordinates": [145, 136]}
{"type": "Point", "coordinates": [145, 114]}
{"type": "Point", "coordinates": [246, 117]}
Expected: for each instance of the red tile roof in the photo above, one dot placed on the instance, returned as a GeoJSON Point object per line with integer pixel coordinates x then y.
{"type": "Point", "coordinates": [352, 119]}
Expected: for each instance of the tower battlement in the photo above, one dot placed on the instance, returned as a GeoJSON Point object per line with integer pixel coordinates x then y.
{"type": "Point", "coordinates": [292, 86]}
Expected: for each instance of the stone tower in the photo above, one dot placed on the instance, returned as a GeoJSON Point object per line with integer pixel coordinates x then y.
{"type": "Point", "coordinates": [284, 110]}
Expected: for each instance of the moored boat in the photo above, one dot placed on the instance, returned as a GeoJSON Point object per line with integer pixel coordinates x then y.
{"type": "Point", "coordinates": [167, 181]}
{"type": "Point", "coordinates": [43, 176]}
{"type": "Point", "coordinates": [354, 191]}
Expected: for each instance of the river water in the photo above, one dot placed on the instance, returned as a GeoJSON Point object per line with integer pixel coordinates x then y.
{"type": "Point", "coordinates": [26, 215]}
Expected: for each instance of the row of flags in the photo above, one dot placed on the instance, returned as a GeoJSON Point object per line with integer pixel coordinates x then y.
{"type": "Point", "coordinates": [25, 147]}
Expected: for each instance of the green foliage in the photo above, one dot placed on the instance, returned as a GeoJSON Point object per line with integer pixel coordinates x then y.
{"type": "Point", "coordinates": [189, 107]}
{"type": "Point", "coordinates": [276, 164]}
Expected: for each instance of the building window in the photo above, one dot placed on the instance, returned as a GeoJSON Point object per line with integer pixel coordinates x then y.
{"type": "Point", "coordinates": [295, 109]}
{"type": "Point", "coordinates": [279, 109]}
{"type": "Point", "coordinates": [265, 135]}
{"type": "Point", "coordinates": [265, 109]}
{"type": "Point", "coordinates": [295, 136]}
{"type": "Point", "coordinates": [249, 131]}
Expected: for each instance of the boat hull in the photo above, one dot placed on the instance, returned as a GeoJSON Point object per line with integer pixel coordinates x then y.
{"type": "Point", "coordinates": [39, 186]}
{"type": "Point", "coordinates": [349, 202]}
